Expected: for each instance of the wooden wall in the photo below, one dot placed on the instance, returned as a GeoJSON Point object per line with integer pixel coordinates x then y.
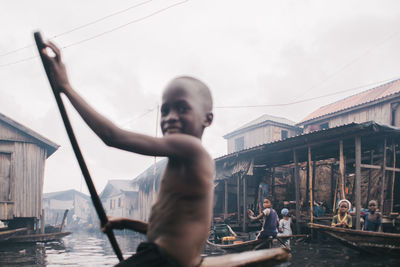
{"type": "Point", "coordinates": [27, 162]}
{"type": "Point", "coordinates": [259, 136]}
{"type": "Point", "coordinates": [380, 113]}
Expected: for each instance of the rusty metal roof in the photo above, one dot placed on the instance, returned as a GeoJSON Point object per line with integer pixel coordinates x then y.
{"type": "Point", "coordinates": [376, 94]}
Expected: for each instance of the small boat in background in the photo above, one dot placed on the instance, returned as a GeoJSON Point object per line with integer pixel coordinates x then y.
{"type": "Point", "coordinates": [377, 243]}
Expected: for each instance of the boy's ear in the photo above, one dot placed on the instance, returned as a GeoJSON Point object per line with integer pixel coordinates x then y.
{"type": "Point", "coordinates": [209, 118]}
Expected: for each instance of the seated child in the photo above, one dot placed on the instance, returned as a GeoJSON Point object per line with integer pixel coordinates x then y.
{"type": "Point", "coordinates": [343, 219]}
{"type": "Point", "coordinates": [372, 219]}
{"type": "Point", "coordinates": [269, 227]}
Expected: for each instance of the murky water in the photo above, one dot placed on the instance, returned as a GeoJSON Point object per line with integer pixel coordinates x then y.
{"type": "Point", "coordinates": [88, 249]}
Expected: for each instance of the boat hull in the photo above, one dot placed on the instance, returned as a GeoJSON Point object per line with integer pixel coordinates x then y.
{"type": "Point", "coordinates": [370, 242]}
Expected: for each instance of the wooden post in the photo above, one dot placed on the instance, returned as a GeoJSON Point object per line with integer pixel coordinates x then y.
{"type": "Point", "coordinates": [37, 229]}
{"type": "Point", "coordinates": [297, 190]}
{"type": "Point", "coordinates": [370, 175]}
{"type": "Point", "coordinates": [63, 220]}
{"type": "Point", "coordinates": [341, 168]}
{"type": "Point", "coordinates": [244, 227]}
{"type": "Point", "coordinates": [226, 199]}
{"type": "Point", "coordinates": [42, 222]}
{"type": "Point", "coordinates": [238, 197]}
{"type": "Point", "coordinates": [273, 186]}
{"type": "Point", "coordinates": [55, 222]}
{"type": "Point", "coordinates": [358, 180]}
{"type": "Point", "coordinates": [383, 176]}
{"type": "Point", "coordinates": [393, 176]}
{"type": "Point", "coordinates": [310, 175]}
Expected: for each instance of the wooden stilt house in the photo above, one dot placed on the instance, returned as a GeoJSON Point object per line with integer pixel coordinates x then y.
{"type": "Point", "coordinates": [23, 154]}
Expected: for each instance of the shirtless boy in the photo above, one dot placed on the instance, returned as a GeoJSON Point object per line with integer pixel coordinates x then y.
{"type": "Point", "coordinates": [180, 219]}
{"type": "Point", "coordinates": [372, 219]}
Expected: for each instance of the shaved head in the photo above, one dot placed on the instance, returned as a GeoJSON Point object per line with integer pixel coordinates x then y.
{"type": "Point", "coordinates": [200, 88]}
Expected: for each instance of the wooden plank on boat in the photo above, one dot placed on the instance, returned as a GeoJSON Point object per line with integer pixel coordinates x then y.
{"type": "Point", "coordinates": [264, 257]}
{"type": "Point", "coordinates": [4, 235]}
{"type": "Point", "coordinates": [37, 237]}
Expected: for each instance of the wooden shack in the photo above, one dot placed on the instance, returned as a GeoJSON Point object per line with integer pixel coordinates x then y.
{"type": "Point", "coordinates": [120, 198]}
{"type": "Point", "coordinates": [358, 161]}
{"type": "Point", "coordinates": [23, 153]}
{"type": "Point", "coordinates": [262, 130]}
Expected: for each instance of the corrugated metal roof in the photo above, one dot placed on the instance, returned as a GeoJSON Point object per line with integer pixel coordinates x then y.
{"type": "Point", "coordinates": [261, 120]}
{"type": "Point", "coordinates": [311, 137]}
{"type": "Point", "coordinates": [374, 94]}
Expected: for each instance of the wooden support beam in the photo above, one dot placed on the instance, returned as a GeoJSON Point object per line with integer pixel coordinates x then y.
{"type": "Point", "coordinates": [392, 169]}
{"type": "Point", "coordinates": [310, 175]}
{"type": "Point", "coordinates": [226, 198]}
{"type": "Point", "coordinates": [383, 180]}
{"type": "Point", "coordinates": [341, 169]}
{"type": "Point", "coordinates": [238, 197]}
{"type": "Point", "coordinates": [42, 222]}
{"type": "Point", "coordinates": [297, 190]}
{"type": "Point", "coordinates": [393, 175]}
{"type": "Point", "coordinates": [371, 166]}
{"type": "Point", "coordinates": [244, 228]}
{"type": "Point", "coordinates": [371, 160]}
{"type": "Point", "coordinates": [273, 187]}
{"type": "Point", "coordinates": [358, 180]}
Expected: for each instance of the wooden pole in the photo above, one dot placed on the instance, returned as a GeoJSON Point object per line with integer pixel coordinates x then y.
{"type": "Point", "coordinates": [244, 227]}
{"type": "Point", "coordinates": [393, 176]}
{"type": "Point", "coordinates": [297, 190]}
{"type": "Point", "coordinates": [63, 220]}
{"type": "Point", "coordinates": [310, 175]}
{"type": "Point", "coordinates": [370, 176]}
{"type": "Point", "coordinates": [273, 186]}
{"type": "Point", "coordinates": [238, 197]}
{"type": "Point", "coordinates": [42, 222]}
{"type": "Point", "coordinates": [226, 198]}
{"type": "Point", "coordinates": [78, 154]}
{"type": "Point", "coordinates": [341, 168]}
{"type": "Point", "coordinates": [383, 177]}
{"type": "Point", "coordinates": [358, 180]}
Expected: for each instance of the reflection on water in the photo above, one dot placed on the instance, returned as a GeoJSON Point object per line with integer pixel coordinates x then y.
{"type": "Point", "coordinates": [78, 249]}
{"type": "Point", "coordinates": [89, 249]}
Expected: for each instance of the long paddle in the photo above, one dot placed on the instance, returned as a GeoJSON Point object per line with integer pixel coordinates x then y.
{"type": "Point", "coordinates": [92, 190]}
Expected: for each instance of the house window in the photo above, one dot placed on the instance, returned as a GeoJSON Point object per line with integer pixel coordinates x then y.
{"type": "Point", "coordinates": [284, 134]}
{"type": "Point", "coordinates": [324, 126]}
{"type": "Point", "coordinates": [119, 202]}
{"type": "Point", "coordinates": [239, 143]}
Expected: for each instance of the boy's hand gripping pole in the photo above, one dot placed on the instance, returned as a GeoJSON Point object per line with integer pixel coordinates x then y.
{"type": "Point", "coordinates": [92, 190]}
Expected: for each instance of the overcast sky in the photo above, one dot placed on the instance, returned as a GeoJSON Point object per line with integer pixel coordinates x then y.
{"type": "Point", "coordinates": [248, 52]}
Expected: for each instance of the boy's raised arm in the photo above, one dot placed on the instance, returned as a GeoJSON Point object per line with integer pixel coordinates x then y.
{"type": "Point", "coordinates": [179, 145]}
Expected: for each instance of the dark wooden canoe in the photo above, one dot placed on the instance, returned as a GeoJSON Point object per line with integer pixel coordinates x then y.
{"type": "Point", "coordinates": [33, 238]}
{"type": "Point", "coordinates": [252, 244]}
{"type": "Point", "coordinates": [240, 247]}
{"type": "Point", "coordinates": [5, 235]}
{"type": "Point", "coordinates": [264, 257]}
{"type": "Point", "coordinates": [371, 242]}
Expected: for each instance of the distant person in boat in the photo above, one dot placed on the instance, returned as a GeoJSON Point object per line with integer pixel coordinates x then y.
{"type": "Point", "coordinates": [269, 227]}
{"type": "Point", "coordinates": [181, 217]}
{"type": "Point", "coordinates": [343, 218]}
{"type": "Point", "coordinates": [372, 219]}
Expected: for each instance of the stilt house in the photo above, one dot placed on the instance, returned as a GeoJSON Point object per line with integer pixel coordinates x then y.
{"type": "Point", "coordinates": [23, 153]}
{"type": "Point", "coordinates": [349, 149]}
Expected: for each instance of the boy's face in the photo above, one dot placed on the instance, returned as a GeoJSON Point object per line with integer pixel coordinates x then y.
{"type": "Point", "coordinates": [372, 205]}
{"type": "Point", "coordinates": [267, 204]}
{"type": "Point", "coordinates": [182, 110]}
